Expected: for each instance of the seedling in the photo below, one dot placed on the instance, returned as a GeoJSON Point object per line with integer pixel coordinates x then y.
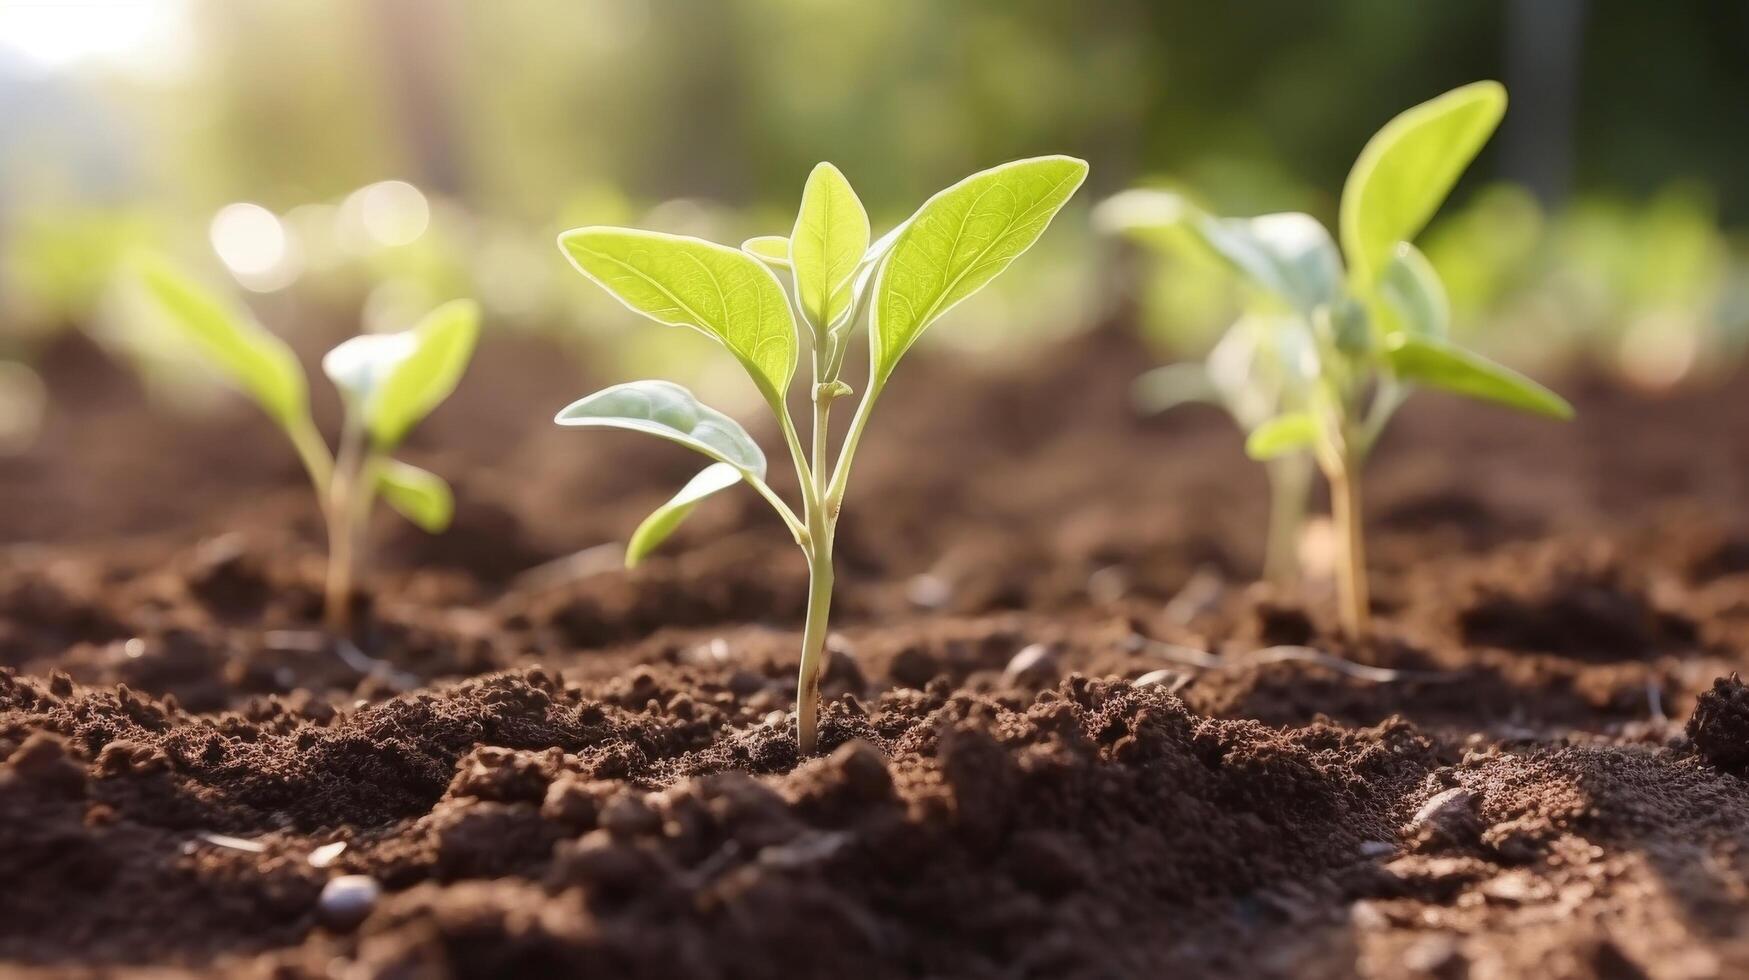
{"type": "Point", "coordinates": [1378, 329]}
{"type": "Point", "coordinates": [388, 383]}
{"type": "Point", "coordinates": [957, 242]}
{"type": "Point", "coordinates": [1257, 371]}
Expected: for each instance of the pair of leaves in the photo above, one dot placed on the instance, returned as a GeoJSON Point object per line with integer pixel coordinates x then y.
{"type": "Point", "coordinates": [424, 369]}
{"type": "Point", "coordinates": [668, 411]}
{"type": "Point", "coordinates": [954, 245]}
{"type": "Point", "coordinates": [394, 380]}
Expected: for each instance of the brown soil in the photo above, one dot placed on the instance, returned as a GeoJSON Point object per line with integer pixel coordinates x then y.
{"type": "Point", "coordinates": [586, 771]}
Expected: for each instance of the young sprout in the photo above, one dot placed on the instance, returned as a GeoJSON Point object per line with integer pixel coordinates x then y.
{"type": "Point", "coordinates": [1377, 329]}
{"type": "Point", "coordinates": [1257, 371]}
{"type": "Point", "coordinates": [957, 242]}
{"type": "Point", "coordinates": [388, 383]}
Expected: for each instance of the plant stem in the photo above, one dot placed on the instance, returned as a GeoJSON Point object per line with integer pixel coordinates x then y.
{"type": "Point", "coordinates": [1290, 479]}
{"type": "Point", "coordinates": [814, 642]}
{"type": "Point", "coordinates": [1351, 585]}
{"type": "Point", "coordinates": [342, 512]}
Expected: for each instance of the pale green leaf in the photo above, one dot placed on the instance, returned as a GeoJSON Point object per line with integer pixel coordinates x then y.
{"type": "Point", "coordinates": [1406, 170]}
{"type": "Point", "coordinates": [665, 409]}
{"type": "Point", "coordinates": [1281, 435]}
{"type": "Point", "coordinates": [1166, 388]}
{"type": "Point", "coordinates": [721, 292]}
{"type": "Point", "coordinates": [443, 343]}
{"type": "Point", "coordinates": [773, 250]}
{"type": "Point", "coordinates": [418, 495]}
{"type": "Point", "coordinates": [1438, 364]}
{"type": "Point", "coordinates": [1142, 209]}
{"type": "Point", "coordinates": [1289, 255]}
{"type": "Point", "coordinates": [664, 520]}
{"type": "Point", "coordinates": [957, 242]}
{"type": "Point", "coordinates": [1413, 294]}
{"type": "Point", "coordinates": [252, 358]}
{"type": "Point", "coordinates": [827, 245]}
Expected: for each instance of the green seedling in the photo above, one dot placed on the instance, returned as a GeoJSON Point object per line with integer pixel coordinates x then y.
{"type": "Point", "coordinates": [955, 244]}
{"type": "Point", "coordinates": [1259, 369]}
{"type": "Point", "coordinates": [388, 383]}
{"type": "Point", "coordinates": [1376, 326]}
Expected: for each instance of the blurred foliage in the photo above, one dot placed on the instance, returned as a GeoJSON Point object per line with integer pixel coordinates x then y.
{"type": "Point", "coordinates": [518, 120]}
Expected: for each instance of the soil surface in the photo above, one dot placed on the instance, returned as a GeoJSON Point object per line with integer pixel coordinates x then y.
{"type": "Point", "coordinates": [1066, 735]}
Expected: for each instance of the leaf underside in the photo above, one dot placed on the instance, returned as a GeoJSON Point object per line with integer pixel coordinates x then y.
{"type": "Point", "coordinates": [668, 411]}
{"type": "Point", "coordinates": [1438, 364]}
{"type": "Point", "coordinates": [664, 520]}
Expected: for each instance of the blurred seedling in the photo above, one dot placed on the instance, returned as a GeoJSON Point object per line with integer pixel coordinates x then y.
{"type": "Point", "coordinates": [1377, 329]}
{"type": "Point", "coordinates": [955, 244]}
{"type": "Point", "coordinates": [388, 383]}
{"type": "Point", "coordinates": [1259, 369]}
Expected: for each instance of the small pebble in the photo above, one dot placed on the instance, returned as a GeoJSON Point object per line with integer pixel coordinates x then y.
{"type": "Point", "coordinates": [347, 900]}
{"type": "Point", "coordinates": [1448, 818]}
{"type": "Point", "coordinates": [323, 856]}
{"type": "Point", "coordinates": [1036, 663]}
{"type": "Point", "coordinates": [928, 591]}
{"type": "Point", "coordinates": [1170, 679]}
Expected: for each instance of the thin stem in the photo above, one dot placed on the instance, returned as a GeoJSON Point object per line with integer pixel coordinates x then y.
{"type": "Point", "coordinates": [1351, 584]}
{"type": "Point", "coordinates": [1290, 479]}
{"type": "Point", "coordinates": [814, 641]}
{"type": "Point", "coordinates": [797, 529]}
{"type": "Point", "coordinates": [834, 499]}
{"type": "Point", "coordinates": [341, 511]}
{"type": "Point", "coordinates": [313, 453]}
{"type": "Point", "coordinates": [804, 475]}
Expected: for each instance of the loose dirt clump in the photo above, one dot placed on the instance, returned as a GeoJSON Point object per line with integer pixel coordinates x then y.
{"type": "Point", "coordinates": [1065, 735]}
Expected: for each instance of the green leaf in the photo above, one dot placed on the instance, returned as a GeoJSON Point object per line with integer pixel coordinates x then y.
{"type": "Point", "coordinates": [665, 409]}
{"type": "Point", "coordinates": [827, 245]}
{"type": "Point", "coordinates": [1282, 435]}
{"type": "Point", "coordinates": [418, 495]}
{"type": "Point", "coordinates": [721, 292]}
{"type": "Point", "coordinates": [1413, 294]}
{"type": "Point", "coordinates": [1166, 388]}
{"type": "Point", "coordinates": [773, 250]}
{"type": "Point", "coordinates": [1438, 364]}
{"type": "Point", "coordinates": [1406, 170]}
{"type": "Point", "coordinates": [1290, 255]}
{"type": "Point", "coordinates": [957, 242]}
{"type": "Point", "coordinates": [418, 382]}
{"type": "Point", "coordinates": [252, 358]}
{"type": "Point", "coordinates": [665, 519]}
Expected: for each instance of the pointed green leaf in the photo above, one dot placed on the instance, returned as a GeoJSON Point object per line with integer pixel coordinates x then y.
{"type": "Point", "coordinates": [1406, 170]}
{"type": "Point", "coordinates": [665, 409]}
{"type": "Point", "coordinates": [773, 250]}
{"type": "Point", "coordinates": [721, 292]}
{"type": "Point", "coordinates": [1289, 255]}
{"type": "Point", "coordinates": [1438, 364]}
{"type": "Point", "coordinates": [1166, 388]}
{"type": "Point", "coordinates": [1282, 435]}
{"type": "Point", "coordinates": [418, 495]}
{"type": "Point", "coordinates": [1413, 294]}
{"type": "Point", "coordinates": [443, 343]}
{"type": "Point", "coordinates": [251, 357]}
{"type": "Point", "coordinates": [665, 519]}
{"type": "Point", "coordinates": [827, 245]}
{"type": "Point", "coordinates": [957, 242]}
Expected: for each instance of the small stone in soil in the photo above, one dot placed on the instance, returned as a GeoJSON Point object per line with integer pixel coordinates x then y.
{"type": "Point", "coordinates": [1448, 818]}
{"type": "Point", "coordinates": [347, 900]}
{"type": "Point", "coordinates": [1036, 663]}
{"type": "Point", "coordinates": [928, 591]}
{"type": "Point", "coordinates": [325, 855]}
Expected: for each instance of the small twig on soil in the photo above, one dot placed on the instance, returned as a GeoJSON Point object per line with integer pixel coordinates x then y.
{"type": "Point", "coordinates": [234, 843]}
{"type": "Point", "coordinates": [563, 571]}
{"type": "Point", "coordinates": [1277, 654]}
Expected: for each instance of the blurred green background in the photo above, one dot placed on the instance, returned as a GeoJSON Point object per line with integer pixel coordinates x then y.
{"type": "Point", "coordinates": [359, 159]}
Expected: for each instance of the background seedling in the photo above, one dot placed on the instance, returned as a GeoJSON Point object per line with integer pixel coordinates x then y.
{"type": "Point", "coordinates": [957, 242]}
{"type": "Point", "coordinates": [388, 383]}
{"type": "Point", "coordinates": [1258, 370]}
{"type": "Point", "coordinates": [1376, 329]}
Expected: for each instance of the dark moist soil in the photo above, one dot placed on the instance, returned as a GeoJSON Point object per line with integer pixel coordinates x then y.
{"type": "Point", "coordinates": [1065, 735]}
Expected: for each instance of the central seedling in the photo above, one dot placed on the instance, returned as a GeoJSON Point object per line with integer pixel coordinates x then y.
{"type": "Point", "coordinates": [388, 383]}
{"type": "Point", "coordinates": [957, 242]}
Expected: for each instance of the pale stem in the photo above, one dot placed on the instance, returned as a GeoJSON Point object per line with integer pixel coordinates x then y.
{"type": "Point", "coordinates": [1290, 480]}
{"type": "Point", "coordinates": [1351, 585]}
{"type": "Point", "coordinates": [341, 512]}
{"type": "Point", "coordinates": [822, 523]}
